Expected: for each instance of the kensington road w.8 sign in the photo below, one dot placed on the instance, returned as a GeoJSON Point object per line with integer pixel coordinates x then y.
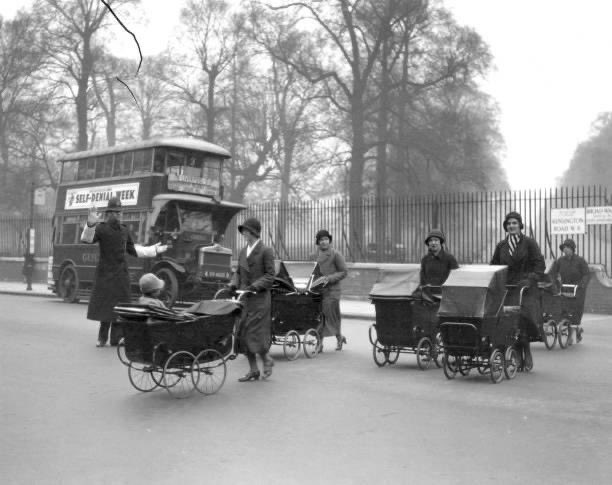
{"type": "Point", "coordinates": [568, 221]}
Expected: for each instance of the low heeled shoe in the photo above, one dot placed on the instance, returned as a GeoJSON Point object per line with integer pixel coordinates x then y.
{"type": "Point", "coordinates": [252, 375]}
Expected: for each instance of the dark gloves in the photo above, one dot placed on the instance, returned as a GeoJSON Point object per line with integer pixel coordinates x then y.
{"type": "Point", "coordinates": [231, 287]}
{"type": "Point", "coordinates": [251, 288]}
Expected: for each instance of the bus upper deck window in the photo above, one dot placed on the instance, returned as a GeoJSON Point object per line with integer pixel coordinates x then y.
{"type": "Point", "coordinates": [212, 168]}
{"type": "Point", "coordinates": [142, 161]}
{"type": "Point", "coordinates": [104, 166]}
{"type": "Point", "coordinates": [175, 159]}
{"type": "Point", "coordinates": [69, 171]}
{"type": "Point", "coordinates": [87, 169]}
{"type": "Point", "coordinates": [159, 160]}
{"type": "Point", "coordinates": [123, 164]}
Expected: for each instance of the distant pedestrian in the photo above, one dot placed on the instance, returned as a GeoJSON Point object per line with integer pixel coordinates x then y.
{"type": "Point", "coordinates": [571, 269]}
{"type": "Point", "coordinates": [331, 269]}
{"type": "Point", "coordinates": [526, 267]}
{"type": "Point", "coordinates": [151, 287]}
{"type": "Point", "coordinates": [111, 280]}
{"type": "Point", "coordinates": [255, 273]}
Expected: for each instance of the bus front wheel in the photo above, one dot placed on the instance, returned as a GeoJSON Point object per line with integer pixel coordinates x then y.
{"type": "Point", "coordinates": [169, 294]}
{"type": "Point", "coordinates": [69, 284]}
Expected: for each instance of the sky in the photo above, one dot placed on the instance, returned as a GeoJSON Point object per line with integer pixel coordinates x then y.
{"type": "Point", "coordinates": [552, 76]}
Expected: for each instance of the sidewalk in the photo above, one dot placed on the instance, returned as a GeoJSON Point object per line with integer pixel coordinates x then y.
{"type": "Point", "coordinates": [350, 308]}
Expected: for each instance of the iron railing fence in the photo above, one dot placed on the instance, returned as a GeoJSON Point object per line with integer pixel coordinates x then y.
{"type": "Point", "coordinates": [393, 229]}
{"type": "Point", "coordinates": [14, 234]}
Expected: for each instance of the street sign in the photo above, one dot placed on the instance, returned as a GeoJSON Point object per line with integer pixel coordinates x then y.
{"type": "Point", "coordinates": [568, 221]}
{"type": "Point", "coordinates": [32, 239]}
{"type": "Point", "coordinates": [39, 196]}
{"type": "Point", "coordinates": [599, 215]}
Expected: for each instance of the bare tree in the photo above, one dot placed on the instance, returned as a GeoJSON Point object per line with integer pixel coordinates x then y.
{"type": "Point", "coordinates": [351, 38]}
{"type": "Point", "coordinates": [21, 68]}
{"type": "Point", "coordinates": [72, 27]}
{"type": "Point", "coordinates": [215, 34]}
{"type": "Point", "coordinates": [109, 92]}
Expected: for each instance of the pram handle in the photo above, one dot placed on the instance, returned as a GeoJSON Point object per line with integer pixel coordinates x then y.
{"type": "Point", "coordinates": [239, 294]}
{"type": "Point", "coordinates": [242, 294]}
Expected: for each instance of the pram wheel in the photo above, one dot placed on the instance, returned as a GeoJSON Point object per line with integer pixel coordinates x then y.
{"type": "Point", "coordinates": [141, 377]}
{"type": "Point", "coordinates": [549, 330]}
{"type": "Point", "coordinates": [463, 366]}
{"type": "Point", "coordinates": [291, 345]}
{"type": "Point", "coordinates": [379, 353]}
{"type": "Point", "coordinates": [372, 334]}
{"type": "Point", "coordinates": [511, 362]}
{"type": "Point", "coordinates": [392, 354]}
{"type": "Point", "coordinates": [496, 363]}
{"type": "Point", "coordinates": [424, 352]}
{"type": "Point", "coordinates": [449, 364]}
{"type": "Point", "coordinates": [208, 371]}
{"type": "Point", "coordinates": [438, 350]}
{"type": "Point", "coordinates": [121, 353]}
{"type": "Point", "coordinates": [311, 343]}
{"type": "Point", "coordinates": [481, 366]}
{"type": "Point", "coordinates": [563, 333]}
{"type": "Point", "coordinates": [178, 380]}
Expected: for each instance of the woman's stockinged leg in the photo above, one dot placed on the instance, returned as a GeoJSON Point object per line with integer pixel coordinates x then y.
{"type": "Point", "coordinates": [268, 363]}
{"type": "Point", "coordinates": [252, 362]}
{"type": "Point", "coordinates": [253, 373]}
{"type": "Point", "coordinates": [103, 333]}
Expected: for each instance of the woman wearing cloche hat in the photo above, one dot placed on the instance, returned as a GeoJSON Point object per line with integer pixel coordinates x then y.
{"type": "Point", "coordinates": [329, 270]}
{"type": "Point", "coordinates": [571, 269]}
{"type": "Point", "coordinates": [255, 273]}
{"type": "Point", "coordinates": [437, 264]}
{"type": "Point", "coordinates": [526, 267]}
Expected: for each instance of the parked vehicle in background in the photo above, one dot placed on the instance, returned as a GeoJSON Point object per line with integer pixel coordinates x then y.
{"type": "Point", "coordinates": [171, 192]}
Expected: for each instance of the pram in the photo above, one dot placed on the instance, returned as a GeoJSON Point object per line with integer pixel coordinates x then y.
{"type": "Point", "coordinates": [406, 321]}
{"type": "Point", "coordinates": [179, 351]}
{"type": "Point", "coordinates": [297, 317]}
{"type": "Point", "coordinates": [479, 331]}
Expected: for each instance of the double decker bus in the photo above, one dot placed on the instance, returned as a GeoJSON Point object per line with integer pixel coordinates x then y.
{"type": "Point", "coordinates": [171, 192]}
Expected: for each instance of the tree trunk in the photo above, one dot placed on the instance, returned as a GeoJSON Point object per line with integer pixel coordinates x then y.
{"type": "Point", "coordinates": [4, 151]}
{"type": "Point", "coordinates": [147, 125]}
{"type": "Point", "coordinates": [81, 100]}
{"type": "Point", "coordinates": [356, 179]}
{"type": "Point", "coordinates": [210, 113]}
{"type": "Point", "coordinates": [381, 155]}
{"type": "Point", "coordinates": [111, 120]}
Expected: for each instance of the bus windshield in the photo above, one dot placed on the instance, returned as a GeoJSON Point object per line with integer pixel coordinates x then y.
{"type": "Point", "coordinates": [179, 216]}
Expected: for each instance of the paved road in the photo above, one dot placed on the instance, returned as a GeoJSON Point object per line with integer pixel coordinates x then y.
{"type": "Point", "coordinates": [69, 415]}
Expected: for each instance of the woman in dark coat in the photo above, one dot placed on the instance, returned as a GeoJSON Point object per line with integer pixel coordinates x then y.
{"type": "Point", "coordinates": [571, 269]}
{"type": "Point", "coordinates": [255, 273]}
{"type": "Point", "coordinates": [526, 267]}
{"type": "Point", "coordinates": [111, 279]}
{"type": "Point", "coordinates": [331, 269]}
{"type": "Point", "coordinates": [437, 264]}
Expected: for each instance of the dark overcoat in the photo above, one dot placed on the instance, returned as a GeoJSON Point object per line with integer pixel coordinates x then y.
{"type": "Point", "coordinates": [331, 263]}
{"type": "Point", "coordinates": [526, 260]}
{"type": "Point", "coordinates": [435, 268]}
{"type": "Point", "coordinates": [573, 270]}
{"type": "Point", "coordinates": [255, 273]}
{"type": "Point", "coordinates": [111, 279]}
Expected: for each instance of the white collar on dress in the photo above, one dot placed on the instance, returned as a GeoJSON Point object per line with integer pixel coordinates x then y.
{"type": "Point", "coordinates": [250, 248]}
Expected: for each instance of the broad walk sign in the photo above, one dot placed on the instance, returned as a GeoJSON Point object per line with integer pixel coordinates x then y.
{"type": "Point", "coordinates": [599, 215]}
{"type": "Point", "coordinates": [568, 221]}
